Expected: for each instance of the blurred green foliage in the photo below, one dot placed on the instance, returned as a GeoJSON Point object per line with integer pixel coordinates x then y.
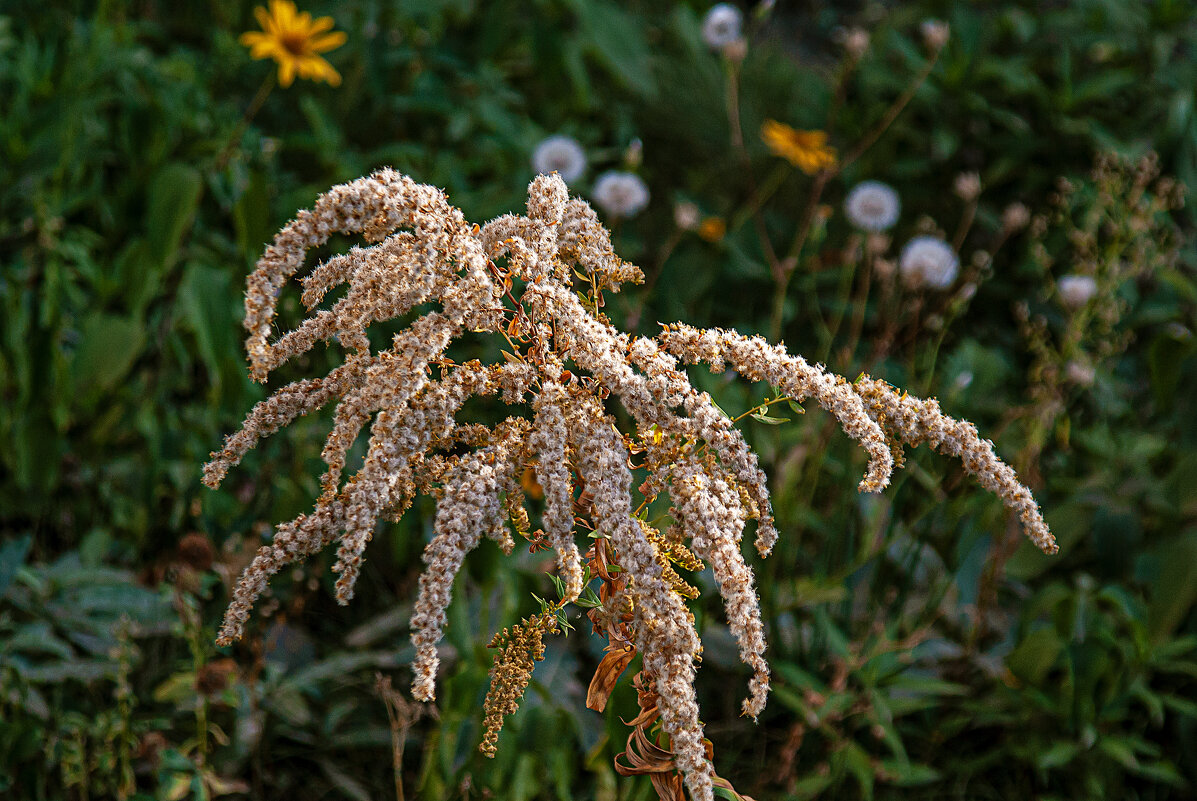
{"type": "Point", "coordinates": [124, 241]}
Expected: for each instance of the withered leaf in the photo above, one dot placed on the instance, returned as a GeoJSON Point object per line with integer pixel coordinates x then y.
{"type": "Point", "coordinates": [617, 658]}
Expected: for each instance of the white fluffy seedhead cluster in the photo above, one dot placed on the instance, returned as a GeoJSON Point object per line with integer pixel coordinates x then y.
{"type": "Point", "coordinates": [568, 369]}
{"type": "Point", "coordinates": [927, 262]}
{"type": "Point", "coordinates": [873, 206]}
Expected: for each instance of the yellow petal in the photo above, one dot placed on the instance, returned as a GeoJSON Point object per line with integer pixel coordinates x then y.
{"type": "Point", "coordinates": [329, 41]}
{"type": "Point", "coordinates": [772, 129]}
{"type": "Point", "coordinates": [321, 25]}
{"type": "Point", "coordinates": [286, 72]}
{"type": "Point", "coordinates": [283, 12]}
{"type": "Point", "coordinates": [331, 75]}
{"type": "Point", "coordinates": [263, 17]}
{"type": "Point", "coordinates": [267, 49]}
{"type": "Point", "coordinates": [309, 68]}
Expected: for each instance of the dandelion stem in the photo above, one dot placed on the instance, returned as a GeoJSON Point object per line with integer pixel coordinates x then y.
{"type": "Point", "coordinates": [251, 111]}
{"type": "Point", "coordinates": [890, 115]}
{"type": "Point", "coordinates": [754, 195]}
{"type": "Point", "coordinates": [966, 222]}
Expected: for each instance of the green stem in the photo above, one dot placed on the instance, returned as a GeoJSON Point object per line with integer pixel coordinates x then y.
{"type": "Point", "coordinates": [251, 111]}
{"type": "Point", "coordinates": [779, 305]}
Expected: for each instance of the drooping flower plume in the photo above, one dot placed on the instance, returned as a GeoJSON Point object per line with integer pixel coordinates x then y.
{"type": "Point", "coordinates": [567, 369]}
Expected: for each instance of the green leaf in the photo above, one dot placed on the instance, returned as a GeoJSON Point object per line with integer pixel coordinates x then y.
{"type": "Point", "coordinates": [109, 344]}
{"type": "Point", "coordinates": [345, 783]}
{"type": "Point", "coordinates": [767, 420]}
{"type": "Point", "coordinates": [809, 592]}
{"type": "Point", "coordinates": [176, 688]}
{"type": "Point", "coordinates": [1182, 706]}
{"type": "Point", "coordinates": [1119, 750]}
{"type": "Point", "coordinates": [173, 198]}
{"type": "Point", "coordinates": [1035, 655]}
{"type": "Point", "coordinates": [205, 298]}
{"type": "Point", "coordinates": [855, 760]}
{"type": "Point", "coordinates": [288, 702]}
{"type": "Point", "coordinates": [38, 638]}
{"type": "Point", "coordinates": [12, 556]}
{"type": "Point", "coordinates": [251, 216]}
{"type": "Point", "coordinates": [1058, 755]}
{"type": "Point", "coordinates": [811, 786]}
{"type": "Point", "coordinates": [1165, 359]}
{"type": "Point", "coordinates": [342, 665]}
{"type": "Point", "coordinates": [1070, 522]}
{"type": "Point", "coordinates": [84, 670]}
{"type": "Point", "coordinates": [909, 683]}
{"type": "Point", "coordinates": [1175, 591]}
{"type": "Point", "coordinates": [909, 774]}
{"type": "Point", "coordinates": [1161, 771]}
{"type": "Point", "coordinates": [526, 782]}
{"type": "Point", "coordinates": [616, 40]}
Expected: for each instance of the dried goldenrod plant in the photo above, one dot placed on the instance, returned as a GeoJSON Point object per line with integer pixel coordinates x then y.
{"type": "Point", "coordinates": [537, 281]}
{"type": "Point", "coordinates": [519, 649]}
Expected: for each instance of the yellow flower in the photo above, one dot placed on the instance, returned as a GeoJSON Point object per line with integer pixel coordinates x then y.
{"type": "Point", "coordinates": [806, 150]}
{"type": "Point", "coordinates": [295, 41]}
{"type": "Point", "coordinates": [712, 229]}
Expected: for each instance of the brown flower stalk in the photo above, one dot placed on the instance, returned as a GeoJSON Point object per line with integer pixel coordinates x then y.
{"type": "Point", "coordinates": [537, 282]}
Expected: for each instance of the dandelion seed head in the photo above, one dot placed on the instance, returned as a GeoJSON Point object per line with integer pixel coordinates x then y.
{"type": "Point", "coordinates": [620, 194]}
{"type": "Point", "coordinates": [1080, 373]}
{"type": "Point", "coordinates": [687, 216]}
{"type": "Point", "coordinates": [560, 154]}
{"type": "Point", "coordinates": [967, 186]}
{"type": "Point", "coordinates": [856, 42]}
{"type": "Point", "coordinates": [927, 262]}
{"type": "Point", "coordinates": [721, 26]}
{"type": "Point", "coordinates": [1076, 290]}
{"type": "Point", "coordinates": [1015, 217]}
{"type": "Point", "coordinates": [935, 34]}
{"type": "Point", "coordinates": [872, 206]}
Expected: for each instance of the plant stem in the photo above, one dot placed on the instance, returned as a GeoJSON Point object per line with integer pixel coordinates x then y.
{"type": "Point", "coordinates": [890, 115]}
{"type": "Point", "coordinates": [251, 111]}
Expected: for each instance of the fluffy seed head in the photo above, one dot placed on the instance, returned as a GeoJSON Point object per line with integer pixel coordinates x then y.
{"type": "Point", "coordinates": [927, 262]}
{"type": "Point", "coordinates": [562, 155]}
{"type": "Point", "coordinates": [620, 194]}
{"type": "Point", "coordinates": [1076, 290]}
{"type": "Point", "coordinates": [935, 34]}
{"type": "Point", "coordinates": [1015, 217]}
{"type": "Point", "coordinates": [721, 25]}
{"type": "Point", "coordinates": [856, 42]}
{"type": "Point", "coordinates": [872, 206]}
{"type": "Point", "coordinates": [967, 186]}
